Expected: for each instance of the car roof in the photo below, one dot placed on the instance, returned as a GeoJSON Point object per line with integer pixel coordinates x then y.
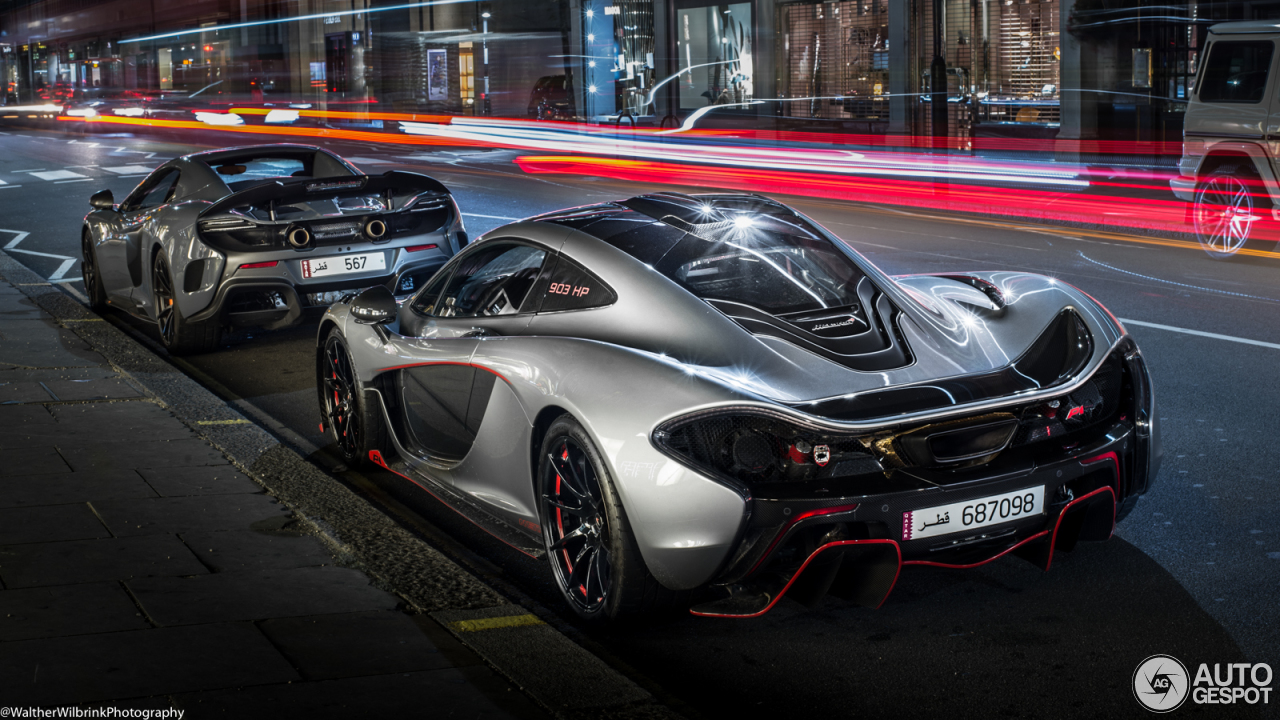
{"type": "Point", "coordinates": [226, 154]}
{"type": "Point", "coordinates": [1245, 27]}
{"type": "Point", "coordinates": [647, 226]}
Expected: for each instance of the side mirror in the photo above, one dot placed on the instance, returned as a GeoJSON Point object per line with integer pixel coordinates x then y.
{"type": "Point", "coordinates": [375, 306]}
{"type": "Point", "coordinates": [102, 200]}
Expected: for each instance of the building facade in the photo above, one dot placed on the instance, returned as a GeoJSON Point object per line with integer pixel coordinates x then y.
{"type": "Point", "coordinates": [1107, 69]}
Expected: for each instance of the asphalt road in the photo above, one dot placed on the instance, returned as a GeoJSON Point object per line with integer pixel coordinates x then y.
{"type": "Point", "coordinates": [1194, 572]}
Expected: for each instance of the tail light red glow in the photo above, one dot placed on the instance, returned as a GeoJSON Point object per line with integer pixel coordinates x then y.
{"type": "Point", "coordinates": [267, 264]}
{"type": "Point", "coordinates": [420, 248]}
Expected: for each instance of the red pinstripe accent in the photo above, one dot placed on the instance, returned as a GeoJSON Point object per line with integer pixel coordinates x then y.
{"type": "Point", "coordinates": [808, 560]}
{"type": "Point", "coordinates": [425, 364]}
{"type": "Point", "coordinates": [802, 516]}
{"type": "Point", "coordinates": [1082, 498]}
{"type": "Point", "coordinates": [931, 563]}
{"type": "Point", "coordinates": [377, 459]}
{"type": "Point", "coordinates": [1115, 459]}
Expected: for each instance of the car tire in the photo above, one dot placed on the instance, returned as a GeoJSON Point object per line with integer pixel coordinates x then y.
{"type": "Point", "coordinates": [1229, 202]}
{"type": "Point", "coordinates": [179, 335]}
{"type": "Point", "coordinates": [598, 568]}
{"type": "Point", "coordinates": [89, 273]}
{"type": "Point", "coordinates": [355, 425]}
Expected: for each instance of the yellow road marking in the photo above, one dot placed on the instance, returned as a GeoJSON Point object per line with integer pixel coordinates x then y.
{"type": "Point", "coordinates": [224, 422]}
{"type": "Point", "coordinates": [495, 623]}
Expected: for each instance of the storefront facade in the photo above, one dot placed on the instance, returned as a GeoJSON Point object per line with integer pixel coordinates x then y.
{"type": "Point", "coordinates": [1114, 69]}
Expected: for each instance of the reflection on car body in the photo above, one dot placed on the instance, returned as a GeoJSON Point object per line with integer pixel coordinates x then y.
{"type": "Point", "coordinates": [252, 236]}
{"type": "Point", "coordinates": [712, 400]}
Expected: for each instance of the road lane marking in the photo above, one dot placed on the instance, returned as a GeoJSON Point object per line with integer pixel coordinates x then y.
{"type": "Point", "coordinates": [64, 182]}
{"type": "Point", "coordinates": [63, 269]}
{"type": "Point", "coordinates": [1201, 333]}
{"type": "Point", "coordinates": [1174, 282]}
{"type": "Point", "coordinates": [370, 161]}
{"type": "Point", "coordinates": [497, 623]}
{"type": "Point", "coordinates": [67, 320]}
{"type": "Point", "coordinates": [10, 248]}
{"type": "Point", "coordinates": [128, 169]}
{"type": "Point", "coordinates": [491, 217]}
{"type": "Point", "coordinates": [224, 422]}
{"type": "Point", "coordinates": [66, 279]}
{"type": "Point", "coordinates": [56, 175]}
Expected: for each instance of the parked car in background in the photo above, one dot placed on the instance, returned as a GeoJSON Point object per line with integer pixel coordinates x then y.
{"type": "Point", "coordinates": [1231, 140]}
{"type": "Point", "coordinates": [252, 236]}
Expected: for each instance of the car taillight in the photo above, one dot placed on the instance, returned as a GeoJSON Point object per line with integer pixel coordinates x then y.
{"type": "Point", "coordinates": [252, 266]}
{"type": "Point", "coordinates": [420, 248]}
{"type": "Point", "coordinates": [236, 234]}
{"type": "Point", "coordinates": [754, 447]}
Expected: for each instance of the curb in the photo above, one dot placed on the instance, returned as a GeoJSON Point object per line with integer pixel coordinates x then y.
{"type": "Point", "coordinates": [515, 642]}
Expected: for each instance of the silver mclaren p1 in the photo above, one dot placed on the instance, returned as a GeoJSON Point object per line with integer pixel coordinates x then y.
{"type": "Point", "coordinates": [713, 400]}
{"type": "Point", "coordinates": [253, 236]}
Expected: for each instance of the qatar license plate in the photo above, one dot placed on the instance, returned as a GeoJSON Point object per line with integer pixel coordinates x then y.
{"type": "Point", "coordinates": [972, 514]}
{"type": "Point", "coordinates": [343, 264]}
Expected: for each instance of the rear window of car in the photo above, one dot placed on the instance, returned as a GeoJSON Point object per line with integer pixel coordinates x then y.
{"type": "Point", "coordinates": [1236, 71]}
{"type": "Point", "coordinates": [241, 172]}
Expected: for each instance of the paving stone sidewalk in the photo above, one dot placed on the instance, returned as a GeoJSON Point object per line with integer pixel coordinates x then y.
{"type": "Point", "coordinates": [139, 569]}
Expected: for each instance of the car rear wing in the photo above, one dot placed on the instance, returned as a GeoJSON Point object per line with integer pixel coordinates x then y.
{"type": "Point", "coordinates": [398, 187]}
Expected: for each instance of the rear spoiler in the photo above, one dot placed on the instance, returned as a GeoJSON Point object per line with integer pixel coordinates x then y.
{"type": "Point", "coordinates": [284, 191]}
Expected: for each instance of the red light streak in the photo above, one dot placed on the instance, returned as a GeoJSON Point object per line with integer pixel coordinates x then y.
{"type": "Point", "coordinates": [1041, 205]}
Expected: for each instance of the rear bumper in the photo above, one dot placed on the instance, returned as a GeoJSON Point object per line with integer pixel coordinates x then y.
{"type": "Point", "coordinates": [855, 548]}
{"type": "Point", "coordinates": [275, 303]}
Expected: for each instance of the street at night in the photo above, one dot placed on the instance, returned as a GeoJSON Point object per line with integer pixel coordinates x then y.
{"type": "Point", "coordinates": [618, 360]}
{"type": "Point", "coordinates": [1191, 572]}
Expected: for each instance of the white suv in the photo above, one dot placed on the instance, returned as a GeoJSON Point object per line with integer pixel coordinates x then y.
{"type": "Point", "coordinates": [1231, 138]}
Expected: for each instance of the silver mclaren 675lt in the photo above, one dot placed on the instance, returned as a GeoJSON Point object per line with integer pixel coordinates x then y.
{"type": "Point", "coordinates": [252, 236]}
{"type": "Point", "coordinates": [713, 400]}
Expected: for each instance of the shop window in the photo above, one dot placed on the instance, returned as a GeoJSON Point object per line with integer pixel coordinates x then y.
{"type": "Point", "coordinates": [466, 74]}
{"type": "Point", "coordinates": [715, 55]}
{"type": "Point", "coordinates": [1024, 83]}
{"type": "Point", "coordinates": [835, 59]}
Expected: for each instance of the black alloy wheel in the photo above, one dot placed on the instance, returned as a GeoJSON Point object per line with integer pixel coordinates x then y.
{"type": "Point", "coordinates": [594, 556]}
{"type": "Point", "coordinates": [575, 526]}
{"type": "Point", "coordinates": [166, 311]}
{"type": "Point", "coordinates": [339, 393]}
{"type": "Point", "coordinates": [89, 273]}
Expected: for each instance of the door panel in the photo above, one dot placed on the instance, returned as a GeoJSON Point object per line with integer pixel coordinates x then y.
{"type": "Point", "coordinates": [435, 399]}
{"type": "Point", "coordinates": [112, 263]}
{"type": "Point", "coordinates": [500, 477]}
{"type": "Point", "coordinates": [481, 389]}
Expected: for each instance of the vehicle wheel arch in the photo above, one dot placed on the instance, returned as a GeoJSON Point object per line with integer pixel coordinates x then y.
{"type": "Point", "coordinates": [1218, 158]}
{"type": "Point", "coordinates": [541, 423]}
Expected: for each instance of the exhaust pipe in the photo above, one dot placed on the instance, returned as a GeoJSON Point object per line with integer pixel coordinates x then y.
{"type": "Point", "coordinates": [375, 229]}
{"type": "Point", "coordinates": [298, 237]}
